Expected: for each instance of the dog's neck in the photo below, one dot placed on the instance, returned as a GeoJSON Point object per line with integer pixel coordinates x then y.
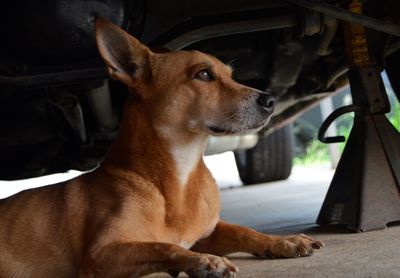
{"type": "Point", "coordinates": [186, 153]}
{"type": "Point", "coordinates": [159, 153]}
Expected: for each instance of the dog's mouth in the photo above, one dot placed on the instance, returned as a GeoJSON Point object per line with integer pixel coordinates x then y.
{"type": "Point", "coordinates": [223, 131]}
{"type": "Point", "coordinates": [218, 130]}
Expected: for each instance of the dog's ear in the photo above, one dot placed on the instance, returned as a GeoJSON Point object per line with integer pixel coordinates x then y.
{"type": "Point", "coordinates": [127, 59]}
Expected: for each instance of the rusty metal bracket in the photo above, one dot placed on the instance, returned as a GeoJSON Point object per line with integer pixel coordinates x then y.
{"type": "Point", "coordinates": [331, 118]}
{"type": "Point", "coordinates": [365, 191]}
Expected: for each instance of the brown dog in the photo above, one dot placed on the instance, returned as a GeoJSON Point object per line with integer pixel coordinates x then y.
{"type": "Point", "coordinates": [152, 205]}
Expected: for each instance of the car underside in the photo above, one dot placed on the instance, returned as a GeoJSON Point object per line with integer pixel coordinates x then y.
{"type": "Point", "coordinates": [59, 110]}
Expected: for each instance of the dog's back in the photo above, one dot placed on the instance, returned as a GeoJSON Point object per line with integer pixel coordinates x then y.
{"type": "Point", "coordinates": [28, 222]}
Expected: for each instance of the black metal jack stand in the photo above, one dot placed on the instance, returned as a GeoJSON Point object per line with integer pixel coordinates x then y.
{"type": "Point", "coordinates": [365, 191]}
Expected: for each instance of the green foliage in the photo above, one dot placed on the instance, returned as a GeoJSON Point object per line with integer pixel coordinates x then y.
{"type": "Point", "coordinates": [317, 152]}
{"type": "Point", "coordinates": [395, 117]}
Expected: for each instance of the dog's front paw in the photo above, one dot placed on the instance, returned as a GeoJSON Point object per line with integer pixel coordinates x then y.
{"type": "Point", "coordinates": [210, 266]}
{"type": "Point", "coordinates": [290, 247]}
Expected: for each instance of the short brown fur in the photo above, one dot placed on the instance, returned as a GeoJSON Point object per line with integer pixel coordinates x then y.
{"type": "Point", "coordinates": [152, 205]}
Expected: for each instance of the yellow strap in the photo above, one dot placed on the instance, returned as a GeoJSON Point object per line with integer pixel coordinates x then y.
{"type": "Point", "coordinates": [356, 38]}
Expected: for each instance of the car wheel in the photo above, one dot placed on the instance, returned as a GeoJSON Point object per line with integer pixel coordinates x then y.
{"type": "Point", "coordinates": [270, 160]}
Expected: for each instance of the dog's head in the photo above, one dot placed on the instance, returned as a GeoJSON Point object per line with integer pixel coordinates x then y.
{"type": "Point", "coordinates": [189, 90]}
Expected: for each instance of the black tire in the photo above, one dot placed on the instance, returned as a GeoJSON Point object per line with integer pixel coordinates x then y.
{"type": "Point", "coordinates": [270, 160]}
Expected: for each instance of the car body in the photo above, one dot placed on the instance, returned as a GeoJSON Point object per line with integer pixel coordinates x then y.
{"type": "Point", "coordinates": [60, 111]}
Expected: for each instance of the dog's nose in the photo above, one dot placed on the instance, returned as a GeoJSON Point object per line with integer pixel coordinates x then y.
{"type": "Point", "coordinates": [266, 101]}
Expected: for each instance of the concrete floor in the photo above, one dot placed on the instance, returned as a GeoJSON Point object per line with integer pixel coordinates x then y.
{"type": "Point", "coordinates": [372, 254]}
{"type": "Point", "coordinates": [291, 207]}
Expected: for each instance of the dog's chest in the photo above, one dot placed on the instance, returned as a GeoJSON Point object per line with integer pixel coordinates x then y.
{"type": "Point", "coordinates": [182, 226]}
{"type": "Point", "coordinates": [179, 215]}
{"type": "Point", "coordinates": [194, 221]}
{"type": "Point", "coordinates": [186, 239]}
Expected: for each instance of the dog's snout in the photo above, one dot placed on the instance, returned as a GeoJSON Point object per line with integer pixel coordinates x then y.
{"type": "Point", "coordinates": [266, 101]}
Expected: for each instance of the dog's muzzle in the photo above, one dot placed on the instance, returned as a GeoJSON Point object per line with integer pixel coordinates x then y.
{"type": "Point", "coordinates": [266, 102]}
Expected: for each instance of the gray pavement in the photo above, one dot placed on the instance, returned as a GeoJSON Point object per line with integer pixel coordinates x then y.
{"type": "Point", "coordinates": [291, 207]}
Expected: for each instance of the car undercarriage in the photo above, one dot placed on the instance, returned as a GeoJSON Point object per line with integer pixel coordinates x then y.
{"type": "Point", "coordinates": [59, 110]}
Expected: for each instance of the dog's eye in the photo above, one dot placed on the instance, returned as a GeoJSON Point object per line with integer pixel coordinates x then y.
{"type": "Point", "coordinates": [205, 75]}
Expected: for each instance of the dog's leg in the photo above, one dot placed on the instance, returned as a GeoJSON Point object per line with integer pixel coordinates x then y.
{"type": "Point", "coordinates": [228, 238]}
{"type": "Point", "coordinates": [141, 258]}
